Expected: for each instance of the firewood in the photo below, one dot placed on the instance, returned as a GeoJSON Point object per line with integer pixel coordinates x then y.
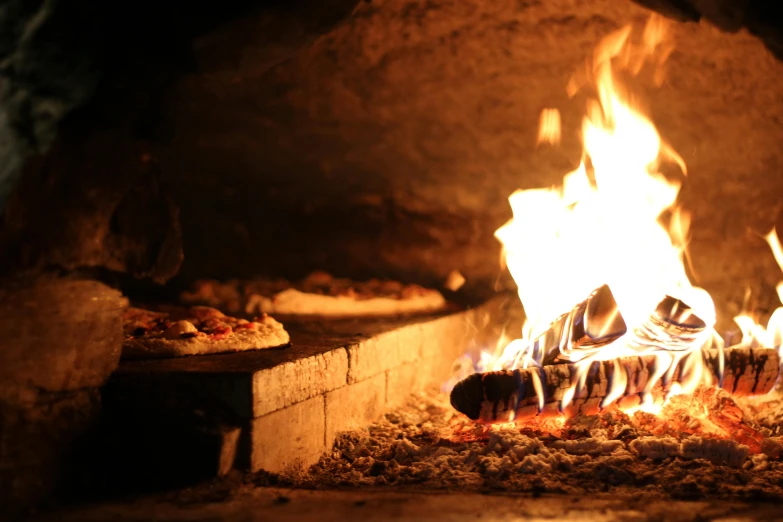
{"type": "Point", "coordinates": [502, 396]}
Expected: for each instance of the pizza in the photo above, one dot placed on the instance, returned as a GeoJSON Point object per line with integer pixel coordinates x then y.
{"type": "Point", "coordinates": [319, 294]}
{"type": "Point", "coordinates": [196, 330]}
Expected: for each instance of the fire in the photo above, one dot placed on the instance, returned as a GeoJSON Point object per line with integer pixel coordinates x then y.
{"type": "Point", "coordinates": [754, 333]}
{"type": "Point", "coordinates": [610, 243]}
{"type": "Point", "coordinates": [549, 127]}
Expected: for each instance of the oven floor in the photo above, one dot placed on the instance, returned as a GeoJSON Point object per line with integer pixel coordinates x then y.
{"type": "Point", "coordinates": [255, 503]}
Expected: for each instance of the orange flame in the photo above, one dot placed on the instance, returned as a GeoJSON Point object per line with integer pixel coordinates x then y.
{"type": "Point", "coordinates": [754, 334]}
{"type": "Point", "coordinates": [602, 226]}
{"type": "Point", "coordinates": [549, 127]}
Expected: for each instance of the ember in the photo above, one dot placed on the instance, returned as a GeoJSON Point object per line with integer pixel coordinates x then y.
{"type": "Point", "coordinates": [704, 446]}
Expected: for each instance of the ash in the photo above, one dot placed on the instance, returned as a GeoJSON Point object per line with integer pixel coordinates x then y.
{"type": "Point", "coordinates": [706, 445]}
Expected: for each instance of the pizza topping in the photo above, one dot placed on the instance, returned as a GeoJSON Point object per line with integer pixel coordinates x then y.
{"type": "Point", "coordinates": [318, 278]}
{"type": "Point", "coordinates": [254, 293]}
{"type": "Point", "coordinates": [198, 321]}
{"type": "Point", "coordinates": [319, 294]}
{"type": "Point", "coordinates": [180, 329]}
{"type": "Point", "coordinates": [138, 331]}
{"type": "Point", "coordinates": [205, 313]}
{"type": "Point", "coordinates": [413, 291]}
{"type": "Point", "coordinates": [220, 332]}
{"type": "Point", "coordinates": [195, 331]}
{"type": "Point", "coordinates": [247, 325]}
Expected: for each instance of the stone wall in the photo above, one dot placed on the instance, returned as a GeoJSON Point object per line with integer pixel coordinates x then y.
{"type": "Point", "coordinates": [389, 145]}
{"type": "Point", "coordinates": [378, 138]}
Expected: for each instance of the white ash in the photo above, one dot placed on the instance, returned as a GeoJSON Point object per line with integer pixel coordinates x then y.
{"type": "Point", "coordinates": [767, 410]}
{"type": "Point", "coordinates": [425, 444]}
{"type": "Point", "coordinates": [594, 446]}
{"type": "Point", "coordinates": [773, 447]}
{"type": "Point", "coordinates": [656, 448]}
{"type": "Point", "coordinates": [717, 451]}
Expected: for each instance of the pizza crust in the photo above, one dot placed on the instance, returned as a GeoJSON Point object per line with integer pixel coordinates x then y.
{"type": "Point", "coordinates": [264, 332]}
{"type": "Point", "coordinates": [294, 302]}
{"type": "Point", "coordinates": [319, 294]}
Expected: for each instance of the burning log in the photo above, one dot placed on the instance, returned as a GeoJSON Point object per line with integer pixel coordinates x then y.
{"type": "Point", "coordinates": [597, 322]}
{"type": "Point", "coordinates": [507, 395]}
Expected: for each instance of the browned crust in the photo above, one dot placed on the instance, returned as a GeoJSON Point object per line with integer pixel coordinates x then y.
{"type": "Point", "coordinates": [240, 335]}
{"type": "Point", "coordinates": [320, 294]}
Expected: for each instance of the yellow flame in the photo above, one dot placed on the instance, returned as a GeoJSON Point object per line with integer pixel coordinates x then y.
{"type": "Point", "coordinates": [618, 383]}
{"type": "Point", "coordinates": [774, 244]}
{"type": "Point", "coordinates": [647, 405]}
{"type": "Point", "coordinates": [549, 127]}
{"type": "Point", "coordinates": [614, 222]}
{"type": "Point", "coordinates": [753, 333]}
{"type": "Point", "coordinates": [603, 226]}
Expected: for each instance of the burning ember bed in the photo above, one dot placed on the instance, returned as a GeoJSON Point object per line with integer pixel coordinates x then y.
{"type": "Point", "coordinates": [694, 448]}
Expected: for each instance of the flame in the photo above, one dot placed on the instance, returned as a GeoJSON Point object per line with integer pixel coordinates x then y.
{"type": "Point", "coordinates": [608, 247]}
{"type": "Point", "coordinates": [754, 334]}
{"type": "Point", "coordinates": [614, 221]}
{"type": "Point", "coordinates": [549, 127]}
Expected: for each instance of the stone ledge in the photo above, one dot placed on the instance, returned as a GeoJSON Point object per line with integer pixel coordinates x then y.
{"type": "Point", "coordinates": [291, 402]}
{"type": "Point", "coordinates": [402, 381]}
{"type": "Point", "coordinates": [290, 438]}
{"type": "Point", "coordinates": [298, 381]}
{"type": "Point", "coordinates": [354, 406]}
{"type": "Point", "coordinates": [323, 356]}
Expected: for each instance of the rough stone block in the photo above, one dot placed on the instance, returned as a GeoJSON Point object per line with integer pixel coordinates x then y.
{"type": "Point", "coordinates": [247, 385]}
{"type": "Point", "coordinates": [298, 380]}
{"type": "Point", "coordinates": [401, 382]}
{"type": "Point", "coordinates": [41, 446]}
{"type": "Point", "coordinates": [58, 335]}
{"type": "Point", "coordinates": [354, 406]}
{"type": "Point", "coordinates": [446, 337]}
{"type": "Point", "coordinates": [383, 352]}
{"type": "Point", "coordinates": [289, 438]}
{"type": "Point", "coordinates": [228, 450]}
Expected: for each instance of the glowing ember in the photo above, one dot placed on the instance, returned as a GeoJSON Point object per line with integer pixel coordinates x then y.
{"type": "Point", "coordinates": [609, 244]}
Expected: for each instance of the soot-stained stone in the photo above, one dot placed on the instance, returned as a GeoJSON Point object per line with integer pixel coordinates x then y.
{"type": "Point", "coordinates": [387, 144]}
{"type": "Point", "coordinates": [760, 17]}
{"type": "Point", "coordinates": [49, 65]}
{"type": "Point", "coordinates": [95, 202]}
{"type": "Point", "coordinates": [390, 144]}
{"type": "Point", "coordinates": [57, 336]}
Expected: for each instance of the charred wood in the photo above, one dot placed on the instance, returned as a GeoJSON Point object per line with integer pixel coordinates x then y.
{"type": "Point", "coordinates": [505, 395]}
